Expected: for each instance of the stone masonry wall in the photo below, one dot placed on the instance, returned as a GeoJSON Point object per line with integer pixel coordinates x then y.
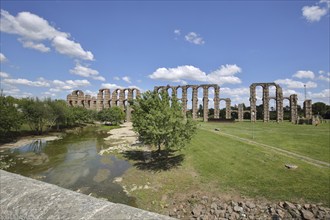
{"type": "Point", "coordinates": [25, 198]}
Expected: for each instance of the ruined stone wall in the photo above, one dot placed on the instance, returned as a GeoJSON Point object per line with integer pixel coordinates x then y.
{"type": "Point", "coordinates": [308, 109]}
{"type": "Point", "coordinates": [194, 99]}
{"type": "Point", "coordinates": [265, 101]}
{"type": "Point", "coordinates": [294, 108]}
{"type": "Point", "coordinates": [104, 100]}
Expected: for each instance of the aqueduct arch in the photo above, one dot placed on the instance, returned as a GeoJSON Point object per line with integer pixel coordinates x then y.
{"type": "Point", "coordinates": [205, 100]}
{"type": "Point", "coordinates": [105, 99]}
{"type": "Point", "coordinates": [265, 102]}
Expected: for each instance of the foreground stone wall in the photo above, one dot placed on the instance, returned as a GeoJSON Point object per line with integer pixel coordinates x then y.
{"type": "Point", "coordinates": [25, 198]}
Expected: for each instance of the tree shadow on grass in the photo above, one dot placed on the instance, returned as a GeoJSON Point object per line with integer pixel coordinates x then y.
{"type": "Point", "coordinates": [155, 160]}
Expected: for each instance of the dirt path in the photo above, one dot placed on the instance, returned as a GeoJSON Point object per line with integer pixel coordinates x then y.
{"type": "Point", "coordinates": [309, 160]}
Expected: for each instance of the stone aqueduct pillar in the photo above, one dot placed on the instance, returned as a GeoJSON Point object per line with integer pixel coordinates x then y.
{"type": "Point", "coordinates": [308, 109]}
{"type": "Point", "coordinates": [228, 108]}
{"type": "Point", "coordinates": [265, 101]}
{"type": "Point", "coordinates": [253, 103]}
{"type": "Point", "coordinates": [194, 101]}
{"type": "Point", "coordinates": [217, 102]}
{"type": "Point", "coordinates": [279, 104]}
{"type": "Point", "coordinates": [205, 103]}
{"type": "Point", "coordinates": [294, 108]}
{"type": "Point", "coordinates": [240, 112]}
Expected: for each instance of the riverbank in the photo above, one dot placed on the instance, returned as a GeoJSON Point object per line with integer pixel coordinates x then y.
{"type": "Point", "coordinates": [30, 139]}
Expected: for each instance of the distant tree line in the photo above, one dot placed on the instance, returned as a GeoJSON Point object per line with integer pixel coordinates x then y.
{"type": "Point", "coordinates": [318, 108]}
{"type": "Point", "coordinates": [43, 115]}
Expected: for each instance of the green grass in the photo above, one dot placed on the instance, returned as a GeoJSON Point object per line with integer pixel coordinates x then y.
{"type": "Point", "coordinates": [255, 172]}
{"type": "Point", "coordinates": [220, 165]}
{"type": "Point", "coordinates": [307, 140]}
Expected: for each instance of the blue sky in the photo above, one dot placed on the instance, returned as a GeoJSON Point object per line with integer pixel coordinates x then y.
{"type": "Point", "coordinates": [50, 48]}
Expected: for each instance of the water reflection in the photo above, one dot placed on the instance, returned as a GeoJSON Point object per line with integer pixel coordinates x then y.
{"type": "Point", "coordinates": [74, 163]}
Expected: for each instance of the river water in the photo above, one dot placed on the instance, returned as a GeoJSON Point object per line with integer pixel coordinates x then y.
{"type": "Point", "coordinates": [73, 163]}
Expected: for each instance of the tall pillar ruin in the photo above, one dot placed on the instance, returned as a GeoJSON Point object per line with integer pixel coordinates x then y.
{"type": "Point", "coordinates": [194, 101]}
{"type": "Point", "coordinates": [216, 101]}
{"type": "Point", "coordinates": [253, 103]}
{"type": "Point", "coordinates": [228, 108]}
{"type": "Point", "coordinates": [128, 107]}
{"type": "Point", "coordinates": [265, 100]}
{"type": "Point", "coordinates": [240, 112]}
{"type": "Point", "coordinates": [205, 103]}
{"type": "Point", "coordinates": [308, 109]}
{"type": "Point", "coordinates": [279, 104]}
{"type": "Point", "coordinates": [184, 100]}
{"type": "Point", "coordinates": [294, 108]}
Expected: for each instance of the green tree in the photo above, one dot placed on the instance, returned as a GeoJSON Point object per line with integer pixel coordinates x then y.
{"type": "Point", "coordinates": [114, 115]}
{"type": "Point", "coordinates": [79, 115]}
{"type": "Point", "coordinates": [10, 117]}
{"type": "Point", "coordinates": [160, 122]}
{"type": "Point", "coordinates": [34, 113]}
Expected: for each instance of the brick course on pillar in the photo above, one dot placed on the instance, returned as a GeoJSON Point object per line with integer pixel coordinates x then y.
{"type": "Point", "coordinates": [205, 103]}
{"type": "Point", "coordinates": [308, 109]}
{"type": "Point", "coordinates": [228, 109]}
{"type": "Point", "coordinates": [216, 102]}
{"type": "Point", "coordinates": [293, 108]}
{"type": "Point", "coordinates": [253, 101]}
{"type": "Point", "coordinates": [279, 104]}
{"type": "Point", "coordinates": [265, 102]}
{"type": "Point", "coordinates": [194, 102]}
{"type": "Point", "coordinates": [184, 100]}
{"type": "Point", "coordinates": [107, 98]}
{"type": "Point", "coordinates": [240, 112]}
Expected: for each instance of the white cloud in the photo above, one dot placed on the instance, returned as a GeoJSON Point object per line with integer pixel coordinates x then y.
{"type": "Point", "coordinates": [126, 79]}
{"type": "Point", "coordinates": [323, 94]}
{"type": "Point", "coordinates": [288, 92]}
{"type": "Point", "coordinates": [39, 83]}
{"type": "Point", "coordinates": [179, 73]}
{"type": "Point", "coordinates": [116, 78]}
{"type": "Point", "coordinates": [59, 85]}
{"type": "Point", "coordinates": [2, 58]}
{"type": "Point", "coordinates": [295, 84]}
{"type": "Point", "coordinates": [33, 29]}
{"type": "Point", "coordinates": [110, 86]}
{"type": "Point", "coordinates": [71, 48]}
{"type": "Point", "coordinates": [37, 46]}
{"type": "Point", "coordinates": [84, 71]}
{"type": "Point", "coordinates": [194, 38]}
{"type": "Point", "coordinates": [304, 74]}
{"type": "Point", "coordinates": [91, 93]}
{"type": "Point", "coordinates": [324, 76]}
{"type": "Point", "coordinates": [177, 32]}
{"type": "Point", "coordinates": [316, 12]}
{"type": "Point", "coordinates": [225, 74]}
{"type": "Point", "coordinates": [4, 75]}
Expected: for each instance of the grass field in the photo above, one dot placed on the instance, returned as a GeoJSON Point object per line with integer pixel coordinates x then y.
{"type": "Point", "coordinates": [254, 171]}
{"type": "Point", "coordinates": [307, 140]}
{"type": "Point", "coordinates": [223, 165]}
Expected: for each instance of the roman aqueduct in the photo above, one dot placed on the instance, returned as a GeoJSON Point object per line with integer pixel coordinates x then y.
{"type": "Point", "coordinates": [121, 97]}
